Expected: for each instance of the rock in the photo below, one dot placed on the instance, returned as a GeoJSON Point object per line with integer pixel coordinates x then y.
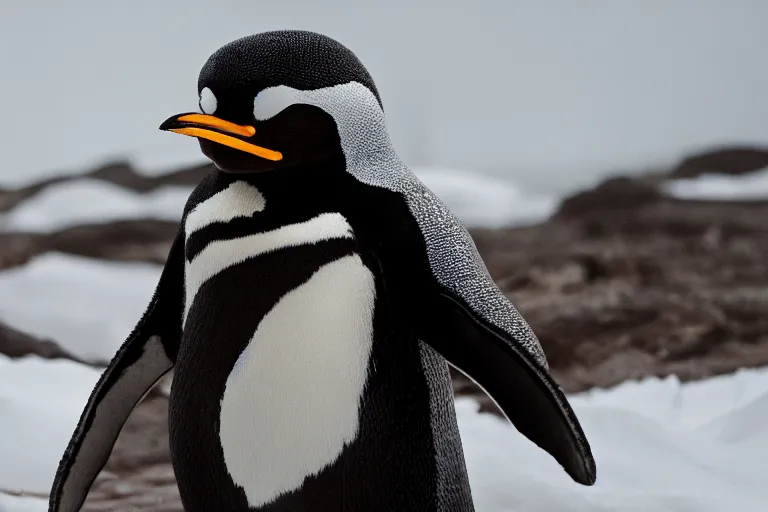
{"type": "Point", "coordinates": [18, 248]}
{"type": "Point", "coordinates": [119, 173]}
{"type": "Point", "coordinates": [16, 344]}
{"type": "Point", "coordinates": [9, 198]}
{"type": "Point", "coordinates": [666, 287]}
{"type": "Point", "coordinates": [615, 194]}
{"type": "Point", "coordinates": [147, 240]}
{"type": "Point", "coordinates": [124, 175]}
{"type": "Point", "coordinates": [138, 475]}
{"type": "Point", "coordinates": [726, 160]}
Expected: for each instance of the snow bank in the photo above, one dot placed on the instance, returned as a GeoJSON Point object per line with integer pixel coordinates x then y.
{"type": "Point", "coordinates": [721, 187]}
{"type": "Point", "coordinates": [92, 201]}
{"type": "Point", "coordinates": [659, 445]}
{"type": "Point", "coordinates": [482, 200]}
{"type": "Point", "coordinates": [40, 403]}
{"type": "Point", "coordinates": [87, 306]}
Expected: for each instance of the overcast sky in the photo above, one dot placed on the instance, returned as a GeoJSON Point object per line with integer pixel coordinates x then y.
{"type": "Point", "coordinates": [549, 91]}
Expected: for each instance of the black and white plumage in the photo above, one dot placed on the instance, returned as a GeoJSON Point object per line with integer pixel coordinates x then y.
{"type": "Point", "coordinates": [308, 307]}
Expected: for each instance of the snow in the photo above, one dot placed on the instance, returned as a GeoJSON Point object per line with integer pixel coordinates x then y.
{"type": "Point", "coordinates": [40, 403]}
{"type": "Point", "coordinates": [87, 201]}
{"type": "Point", "coordinates": [659, 444]}
{"type": "Point", "coordinates": [721, 187]}
{"type": "Point", "coordinates": [9, 503]}
{"type": "Point", "coordinates": [87, 306]}
{"type": "Point", "coordinates": [480, 200]}
{"type": "Point", "coordinates": [557, 91]}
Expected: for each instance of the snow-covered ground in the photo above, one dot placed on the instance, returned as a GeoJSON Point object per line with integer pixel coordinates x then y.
{"type": "Point", "coordinates": [87, 306]}
{"type": "Point", "coordinates": [659, 445]}
{"type": "Point", "coordinates": [93, 201]}
{"type": "Point", "coordinates": [40, 403]}
{"type": "Point", "coordinates": [721, 187]}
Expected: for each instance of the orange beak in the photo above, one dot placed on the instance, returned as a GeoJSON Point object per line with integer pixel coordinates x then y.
{"type": "Point", "coordinates": [220, 131]}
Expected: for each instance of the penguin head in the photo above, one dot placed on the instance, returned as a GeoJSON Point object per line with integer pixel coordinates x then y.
{"type": "Point", "coordinates": [279, 99]}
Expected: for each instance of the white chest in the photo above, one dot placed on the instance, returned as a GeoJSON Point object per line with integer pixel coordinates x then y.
{"type": "Point", "coordinates": [292, 400]}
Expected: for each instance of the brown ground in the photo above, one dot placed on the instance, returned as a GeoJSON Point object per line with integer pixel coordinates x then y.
{"type": "Point", "coordinates": [622, 283]}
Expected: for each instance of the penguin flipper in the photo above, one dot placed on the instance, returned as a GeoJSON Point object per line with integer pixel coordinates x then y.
{"type": "Point", "coordinates": [147, 355]}
{"type": "Point", "coordinates": [522, 388]}
{"type": "Point", "coordinates": [471, 323]}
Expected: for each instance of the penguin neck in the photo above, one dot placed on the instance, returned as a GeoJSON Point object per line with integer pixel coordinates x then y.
{"type": "Point", "coordinates": [365, 138]}
{"type": "Point", "coordinates": [300, 183]}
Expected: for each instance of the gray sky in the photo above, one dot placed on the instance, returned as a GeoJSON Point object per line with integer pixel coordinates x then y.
{"type": "Point", "coordinates": [547, 91]}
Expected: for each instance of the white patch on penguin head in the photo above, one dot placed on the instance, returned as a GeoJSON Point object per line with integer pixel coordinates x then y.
{"type": "Point", "coordinates": [355, 109]}
{"type": "Point", "coordinates": [208, 101]}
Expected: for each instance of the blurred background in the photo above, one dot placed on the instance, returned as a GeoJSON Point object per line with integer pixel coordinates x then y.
{"type": "Point", "coordinates": [609, 158]}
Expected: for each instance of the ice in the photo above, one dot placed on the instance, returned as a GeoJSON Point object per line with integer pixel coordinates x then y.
{"type": "Point", "coordinates": [480, 200]}
{"type": "Point", "coordinates": [721, 187]}
{"type": "Point", "coordinates": [89, 201]}
{"type": "Point", "coordinates": [87, 306]}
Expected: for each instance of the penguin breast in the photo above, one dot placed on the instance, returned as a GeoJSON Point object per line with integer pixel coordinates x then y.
{"type": "Point", "coordinates": [291, 402]}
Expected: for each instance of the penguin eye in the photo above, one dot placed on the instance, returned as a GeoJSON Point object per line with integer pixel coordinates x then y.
{"type": "Point", "coordinates": [207, 101]}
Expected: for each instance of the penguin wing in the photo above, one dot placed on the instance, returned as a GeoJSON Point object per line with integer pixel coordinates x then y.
{"type": "Point", "coordinates": [520, 386]}
{"type": "Point", "coordinates": [147, 355]}
{"type": "Point", "coordinates": [468, 320]}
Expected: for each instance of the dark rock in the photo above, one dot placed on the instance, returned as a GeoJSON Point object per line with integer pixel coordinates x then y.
{"type": "Point", "coordinates": [9, 198]}
{"type": "Point", "coordinates": [669, 287]}
{"type": "Point", "coordinates": [118, 173]}
{"type": "Point", "coordinates": [138, 475]}
{"type": "Point", "coordinates": [615, 194]}
{"type": "Point", "coordinates": [145, 240]}
{"type": "Point", "coordinates": [726, 160]}
{"type": "Point", "coordinates": [16, 344]}
{"type": "Point", "coordinates": [18, 248]}
{"type": "Point", "coordinates": [124, 175]}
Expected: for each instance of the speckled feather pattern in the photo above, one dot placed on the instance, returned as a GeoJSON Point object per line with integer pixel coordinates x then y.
{"type": "Point", "coordinates": [370, 157]}
{"type": "Point", "coordinates": [313, 72]}
{"type": "Point", "coordinates": [453, 491]}
{"type": "Point", "coordinates": [453, 257]}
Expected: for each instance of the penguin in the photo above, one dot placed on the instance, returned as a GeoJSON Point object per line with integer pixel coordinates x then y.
{"type": "Point", "coordinates": [310, 306]}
